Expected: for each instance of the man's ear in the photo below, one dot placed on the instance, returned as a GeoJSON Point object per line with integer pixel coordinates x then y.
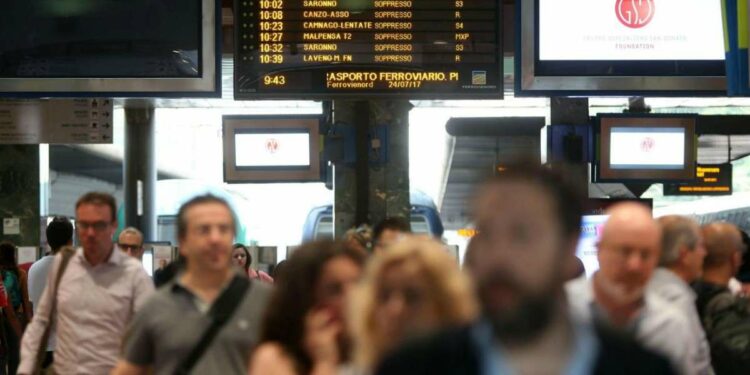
{"type": "Point", "coordinates": [683, 253]}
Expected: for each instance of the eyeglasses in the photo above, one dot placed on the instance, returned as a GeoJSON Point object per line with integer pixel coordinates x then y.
{"type": "Point", "coordinates": [239, 256]}
{"type": "Point", "coordinates": [98, 226]}
{"type": "Point", "coordinates": [127, 247]}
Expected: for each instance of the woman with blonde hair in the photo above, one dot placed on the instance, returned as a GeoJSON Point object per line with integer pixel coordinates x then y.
{"type": "Point", "coordinates": [413, 289]}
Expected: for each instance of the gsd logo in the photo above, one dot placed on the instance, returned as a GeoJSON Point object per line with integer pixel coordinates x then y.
{"type": "Point", "coordinates": [635, 13]}
{"type": "Point", "coordinates": [272, 145]}
{"type": "Point", "coordinates": [648, 144]}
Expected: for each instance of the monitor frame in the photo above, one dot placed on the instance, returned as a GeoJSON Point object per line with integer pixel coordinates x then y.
{"type": "Point", "coordinates": [239, 124]}
{"type": "Point", "coordinates": [208, 85]}
{"type": "Point", "coordinates": [605, 173]}
{"type": "Point", "coordinates": [496, 94]}
{"type": "Point", "coordinates": [528, 82]}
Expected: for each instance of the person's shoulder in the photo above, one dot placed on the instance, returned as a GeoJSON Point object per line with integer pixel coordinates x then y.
{"type": "Point", "coordinates": [664, 289]}
{"type": "Point", "coordinates": [161, 300]}
{"type": "Point", "coordinates": [42, 264]}
{"type": "Point", "coordinates": [579, 295]}
{"type": "Point", "coordinates": [448, 352]}
{"type": "Point", "coordinates": [270, 351]}
{"type": "Point", "coordinates": [271, 355]}
{"type": "Point", "coordinates": [578, 287]}
{"type": "Point", "coordinates": [129, 262]}
{"type": "Point", "coordinates": [662, 312]}
{"type": "Point", "coordinates": [258, 294]}
{"type": "Point", "coordinates": [665, 323]}
{"type": "Point", "coordinates": [258, 287]}
{"type": "Point", "coordinates": [620, 353]}
{"type": "Point", "coordinates": [133, 267]}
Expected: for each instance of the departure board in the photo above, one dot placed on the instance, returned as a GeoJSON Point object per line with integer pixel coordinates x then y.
{"type": "Point", "coordinates": [348, 48]}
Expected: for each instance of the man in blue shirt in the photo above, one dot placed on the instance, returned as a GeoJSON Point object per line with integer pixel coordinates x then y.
{"type": "Point", "coordinates": [528, 221]}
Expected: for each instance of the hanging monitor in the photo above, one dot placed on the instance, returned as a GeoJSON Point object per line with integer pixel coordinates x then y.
{"type": "Point", "coordinates": [114, 48]}
{"type": "Point", "coordinates": [647, 148]}
{"type": "Point", "coordinates": [434, 49]}
{"type": "Point", "coordinates": [271, 149]}
{"type": "Point", "coordinates": [616, 47]}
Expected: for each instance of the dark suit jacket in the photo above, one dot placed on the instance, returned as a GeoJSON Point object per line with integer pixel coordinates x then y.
{"type": "Point", "coordinates": [454, 352]}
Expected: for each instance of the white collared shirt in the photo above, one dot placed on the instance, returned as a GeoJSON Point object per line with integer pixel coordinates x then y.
{"type": "Point", "coordinates": [680, 295]}
{"type": "Point", "coordinates": [94, 306]}
{"type": "Point", "coordinates": [37, 282]}
{"type": "Point", "coordinates": [658, 327]}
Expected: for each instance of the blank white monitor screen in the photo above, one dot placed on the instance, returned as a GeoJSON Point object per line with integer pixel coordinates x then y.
{"type": "Point", "coordinates": [272, 149]}
{"type": "Point", "coordinates": [644, 30]}
{"type": "Point", "coordinates": [647, 148]}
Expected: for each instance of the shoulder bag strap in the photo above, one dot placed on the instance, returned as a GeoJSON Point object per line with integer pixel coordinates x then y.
{"type": "Point", "coordinates": [221, 312]}
{"type": "Point", "coordinates": [67, 254]}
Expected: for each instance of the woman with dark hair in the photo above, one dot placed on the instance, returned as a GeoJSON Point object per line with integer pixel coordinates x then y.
{"type": "Point", "coordinates": [18, 314]}
{"type": "Point", "coordinates": [241, 257]}
{"type": "Point", "coordinates": [278, 270]}
{"type": "Point", "coordinates": [304, 330]}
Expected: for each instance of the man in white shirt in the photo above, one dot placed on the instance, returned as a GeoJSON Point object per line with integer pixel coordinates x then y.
{"type": "Point", "coordinates": [59, 233]}
{"type": "Point", "coordinates": [615, 295]}
{"type": "Point", "coordinates": [681, 263]}
{"type": "Point", "coordinates": [99, 292]}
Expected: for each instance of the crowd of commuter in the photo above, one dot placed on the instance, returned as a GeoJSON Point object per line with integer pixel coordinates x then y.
{"type": "Point", "coordinates": [668, 297]}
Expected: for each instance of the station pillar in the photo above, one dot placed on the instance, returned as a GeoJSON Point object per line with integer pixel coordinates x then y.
{"type": "Point", "coordinates": [139, 168]}
{"type": "Point", "coordinates": [376, 185]}
{"type": "Point", "coordinates": [19, 195]}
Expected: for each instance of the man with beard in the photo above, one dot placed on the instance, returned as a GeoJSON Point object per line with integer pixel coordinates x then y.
{"type": "Point", "coordinates": [528, 221]}
{"type": "Point", "coordinates": [615, 296]}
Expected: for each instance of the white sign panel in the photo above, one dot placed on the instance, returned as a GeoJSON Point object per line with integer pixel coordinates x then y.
{"type": "Point", "coordinates": [614, 30]}
{"type": "Point", "coordinates": [56, 121]}
{"type": "Point", "coordinates": [272, 150]}
{"type": "Point", "coordinates": [647, 148]}
{"type": "Point", "coordinates": [11, 226]}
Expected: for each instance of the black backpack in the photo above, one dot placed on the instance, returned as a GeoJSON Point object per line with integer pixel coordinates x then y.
{"type": "Point", "coordinates": [726, 320]}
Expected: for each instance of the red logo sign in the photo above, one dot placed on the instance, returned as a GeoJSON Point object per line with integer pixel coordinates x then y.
{"type": "Point", "coordinates": [648, 144]}
{"type": "Point", "coordinates": [272, 145]}
{"type": "Point", "coordinates": [635, 13]}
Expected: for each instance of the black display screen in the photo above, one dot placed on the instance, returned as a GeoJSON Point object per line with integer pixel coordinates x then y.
{"type": "Point", "coordinates": [100, 39]}
{"type": "Point", "coordinates": [329, 48]}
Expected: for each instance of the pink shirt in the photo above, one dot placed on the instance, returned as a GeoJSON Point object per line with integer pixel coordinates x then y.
{"type": "Point", "coordinates": [94, 307]}
{"type": "Point", "coordinates": [260, 275]}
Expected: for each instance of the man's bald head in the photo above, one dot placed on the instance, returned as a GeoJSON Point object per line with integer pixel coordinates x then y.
{"type": "Point", "coordinates": [628, 251]}
{"type": "Point", "coordinates": [723, 243]}
{"type": "Point", "coordinates": [630, 217]}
